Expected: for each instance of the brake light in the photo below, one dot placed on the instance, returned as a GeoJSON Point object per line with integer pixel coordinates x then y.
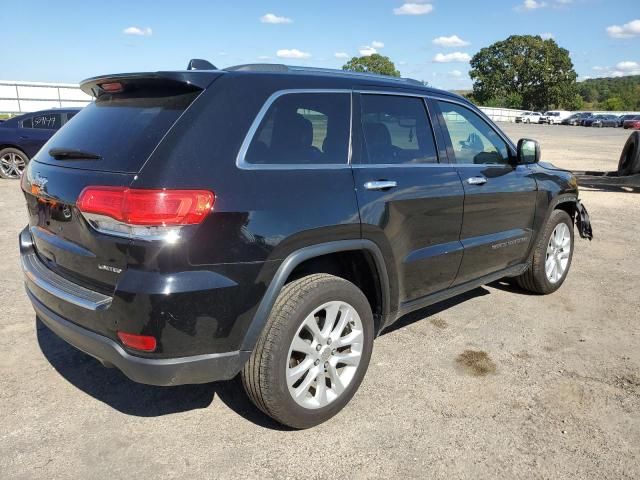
{"type": "Point", "coordinates": [144, 213]}
{"type": "Point", "coordinates": [112, 87]}
{"type": "Point", "coordinates": [144, 343]}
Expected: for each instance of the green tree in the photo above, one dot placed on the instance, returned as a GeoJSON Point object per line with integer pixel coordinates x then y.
{"type": "Point", "coordinates": [375, 63]}
{"type": "Point", "coordinates": [614, 103]}
{"type": "Point", "coordinates": [538, 72]}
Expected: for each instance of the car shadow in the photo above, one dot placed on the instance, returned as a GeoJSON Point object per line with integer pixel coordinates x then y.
{"type": "Point", "coordinates": [113, 388]}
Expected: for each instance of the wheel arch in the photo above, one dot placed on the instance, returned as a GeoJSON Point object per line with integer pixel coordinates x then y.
{"type": "Point", "coordinates": [297, 258]}
{"type": "Point", "coordinates": [9, 145]}
{"type": "Point", "coordinates": [563, 201]}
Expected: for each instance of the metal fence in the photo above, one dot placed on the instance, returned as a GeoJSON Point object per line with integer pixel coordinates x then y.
{"type": "Point", "coordinates": [22, 97]}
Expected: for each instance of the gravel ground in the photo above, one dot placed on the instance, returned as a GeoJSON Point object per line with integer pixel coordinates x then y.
{"type": "Point", "coordinates": [493, 384]}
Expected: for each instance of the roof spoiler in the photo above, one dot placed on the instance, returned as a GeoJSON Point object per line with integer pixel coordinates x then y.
{"type": "Point", "coordinates": [185, 80]}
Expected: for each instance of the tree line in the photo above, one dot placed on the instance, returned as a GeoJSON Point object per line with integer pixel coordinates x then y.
{"type": "Point", "coordinates": [531, 73]}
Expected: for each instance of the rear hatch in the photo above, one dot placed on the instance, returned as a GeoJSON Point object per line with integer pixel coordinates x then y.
{"type": "Point", "coordinates": [106, 144]}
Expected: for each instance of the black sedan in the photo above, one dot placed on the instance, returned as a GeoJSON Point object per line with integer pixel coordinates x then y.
{"type": "Point", "coordinates": [21, 137]}
{"type": "Point", "coordinates": [576, 118]}
{"type": "Point", "coordinates": [604, 120]}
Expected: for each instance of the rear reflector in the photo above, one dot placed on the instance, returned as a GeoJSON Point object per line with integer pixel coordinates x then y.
{"type": "Point", "coordinates": [147, 207]}
{"type": "Point", "coordinates": [144, 343]}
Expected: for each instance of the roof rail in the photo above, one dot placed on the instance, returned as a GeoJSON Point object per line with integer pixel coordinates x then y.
{"type": "Point", "coordinates": [278, 67]}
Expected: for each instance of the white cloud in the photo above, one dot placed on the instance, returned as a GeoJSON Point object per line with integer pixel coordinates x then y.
{"type": "Point", "coordinates": [533, 4]}
{"type": "Point", "coordinates": [455, 73]}
{"type": "Point", "coordinates": [264, 57]}
{"type": "Point", "coordinates": [622, 69]}
{"type": "Point", "coordinates": [341, 55]}
{"type": "Point", "coordinates": [547, 35]}
{"type": "Point", "coordinates": [452, 41]}
{"type": "Point", "coordinates": [367, 51]}
{"type": "Point", "coordinates": [628, 30]}
{"type": "Point", "coordinates": [274, 19]}
{"type": "Point", "coordinates": [454, 57]}
{"type": "Point", "coordinates": [139, 31]}
{"type": "Point", "coordinates": [413, 9]}
{"type": "Point", "coordinates": [292, 53]}
{"type": "Point", "coordinates": [377, 44]}
{"type": "Point", "coordinates": [628, 66]}
{"type": "Point", "coordinates": [529, 5]}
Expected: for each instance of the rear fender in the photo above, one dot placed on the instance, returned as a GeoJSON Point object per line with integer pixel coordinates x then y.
{"type": "Point", "coordinates": [296, 258]}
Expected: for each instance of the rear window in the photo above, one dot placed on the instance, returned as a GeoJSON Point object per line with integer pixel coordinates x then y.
{"type": "Point", "coordinates": [123, 129]}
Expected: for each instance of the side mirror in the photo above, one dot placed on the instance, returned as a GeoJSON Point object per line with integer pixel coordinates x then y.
{"type": "Point", "coordinates": [528, 151]}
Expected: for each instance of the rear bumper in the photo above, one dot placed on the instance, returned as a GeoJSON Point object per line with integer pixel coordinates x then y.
{"type": "Point", "coordinates": [68, 309]}
{"type": "Point", "coordinates": [162, 372]}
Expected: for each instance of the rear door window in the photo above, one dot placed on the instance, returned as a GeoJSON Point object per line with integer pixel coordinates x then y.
{"type": "Point", "coordinates": [397, 130]}
{"type": "Point", "coordinates": [123, 129]}
{"type": "Point", "coordinates": [48, 121]}
{"type": "Point", "coordinates": [303, 129]}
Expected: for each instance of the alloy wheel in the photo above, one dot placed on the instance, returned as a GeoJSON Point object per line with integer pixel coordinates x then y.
{"type": "Point", "coordinates": [12, 165]}
{"type": "Point", "coordinates": [558, 252]}
{"type": "Point", "coordinates": [324, 355]}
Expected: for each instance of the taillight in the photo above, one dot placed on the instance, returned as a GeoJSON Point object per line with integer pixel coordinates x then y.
{"type": "Point", "coordinates": [141, 213]}
{"type": "Point", "coordinates": [144, 343]}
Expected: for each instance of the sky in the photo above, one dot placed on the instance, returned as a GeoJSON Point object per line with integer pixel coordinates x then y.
{"type": "Point", "coordinates": [67, 41]}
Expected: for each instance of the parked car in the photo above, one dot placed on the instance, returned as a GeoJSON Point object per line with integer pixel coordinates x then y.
{"type": "Point", "coordinates": [623, 118]}
{"type": "Point", "coordinates": [576, 118]}
{"type": "Point", "coordinates": [554, 117]}
{"type": "Point", "coordinates": [301, 228]}
{"type": "Point", "coordinates": [586, 121]}
{"type": "Point", "coordinates": [604, 120]}
{"type": "Point", "coordinates": [633, 123]}
{"type": "Point", "coordinates": [22, 136]}
{"type": "Point", "coordinates": [529, 117]}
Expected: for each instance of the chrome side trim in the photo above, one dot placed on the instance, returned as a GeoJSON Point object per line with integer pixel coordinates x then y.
{"type": "Point", "coordinates": [240, 158]}
{"type": "Point", "coordinates": [60, 287]}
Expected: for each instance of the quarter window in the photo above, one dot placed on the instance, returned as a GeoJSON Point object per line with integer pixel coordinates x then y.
{"type": "Point", "coordinates": [473, 140]}
{"type": "Point", "coordinates": [397, 130]}
{"type": "Point", "coordinates": [302, 129]}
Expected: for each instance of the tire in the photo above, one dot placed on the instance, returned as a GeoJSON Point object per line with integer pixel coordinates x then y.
{"type": "Point", "coordinates": [629, 163]}
{"type": "Point", "coordinates": [536, 279]}
{"type": "Point", "coordinates": [12, 163]}
{"type": "Point", "coordinates": [274, 372]}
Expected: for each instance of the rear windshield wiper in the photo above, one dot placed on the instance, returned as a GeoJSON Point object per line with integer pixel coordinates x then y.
{"type": "Point", "coordinates": [72, 154]}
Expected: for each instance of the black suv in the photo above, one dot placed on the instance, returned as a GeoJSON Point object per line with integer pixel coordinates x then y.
{"type": "Point", "coordinates": [271, 221]}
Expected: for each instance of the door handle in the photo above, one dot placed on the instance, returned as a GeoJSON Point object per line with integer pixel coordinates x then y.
{"type": "Point", "coordinates": [381, 185]}
{"type": "Point", "coordinates": [476, 180]}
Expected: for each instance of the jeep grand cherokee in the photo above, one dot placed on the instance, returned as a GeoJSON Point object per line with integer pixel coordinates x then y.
{"type": "Point", "coordinates": [270, 221]}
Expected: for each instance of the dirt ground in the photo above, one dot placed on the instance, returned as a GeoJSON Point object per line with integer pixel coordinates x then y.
{"type": "Point", "coordinates": [493, 384]}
